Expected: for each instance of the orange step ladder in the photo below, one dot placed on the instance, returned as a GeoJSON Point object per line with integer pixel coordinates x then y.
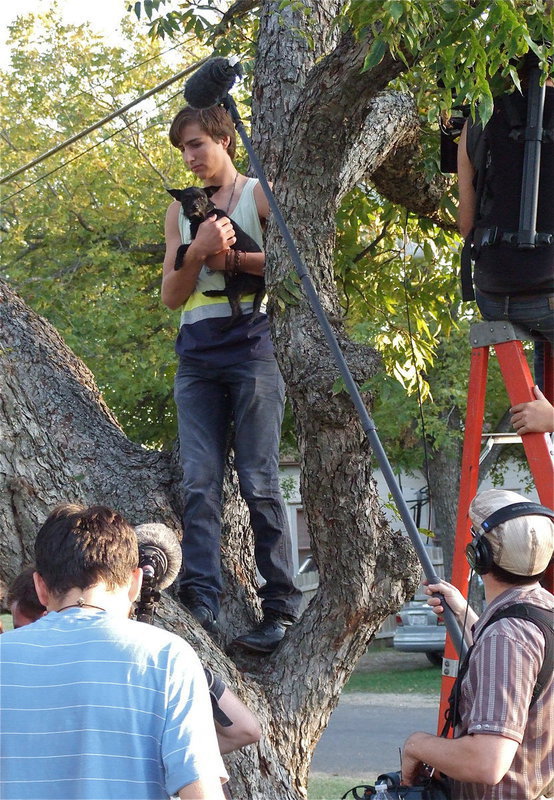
{"type": "Point", "coordinates": [507, 342]}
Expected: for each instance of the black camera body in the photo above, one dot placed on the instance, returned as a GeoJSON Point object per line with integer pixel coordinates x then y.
{"type": "Point", "coordinates": [450, 133]}
{"type": "Point", "coordinates": [428, 789]}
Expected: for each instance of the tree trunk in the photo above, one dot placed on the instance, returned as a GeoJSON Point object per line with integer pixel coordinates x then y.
{"type": "Point", "coordinates": [320, 125]}
{"type": "Point", "coordinates": [444, 480]}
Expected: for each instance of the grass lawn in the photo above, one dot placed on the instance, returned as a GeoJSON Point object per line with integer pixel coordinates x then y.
{"type": "Point", "coordinates": [6, 620]}
{"type": "Point", "coordinates": [424, 680]}
{"type": "Point", "coordinates": [325, 787]}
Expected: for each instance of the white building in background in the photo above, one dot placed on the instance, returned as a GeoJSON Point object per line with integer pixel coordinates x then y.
{"type": "Point", "coordinates": [414, 491]}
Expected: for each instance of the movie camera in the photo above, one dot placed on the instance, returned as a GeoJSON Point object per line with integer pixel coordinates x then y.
{"type": "Point", "coordinates": [450, 130]}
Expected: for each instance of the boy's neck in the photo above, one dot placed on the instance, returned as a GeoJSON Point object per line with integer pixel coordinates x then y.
{"type": "Point", "coordinates": [225, 177]}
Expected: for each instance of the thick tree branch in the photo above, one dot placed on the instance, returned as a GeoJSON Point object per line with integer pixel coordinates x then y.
{"type": "Point", "coordinates": [401, 179]}
{"type": "Point", "coordinates": [234, 14]}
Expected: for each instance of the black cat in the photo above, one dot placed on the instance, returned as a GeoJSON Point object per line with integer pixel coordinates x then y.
{"type": "Point", "coordinates": [197, 206]}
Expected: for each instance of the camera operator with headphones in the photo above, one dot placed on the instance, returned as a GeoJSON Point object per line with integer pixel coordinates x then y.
{"type": "Point", "coordinates": [502, 705]}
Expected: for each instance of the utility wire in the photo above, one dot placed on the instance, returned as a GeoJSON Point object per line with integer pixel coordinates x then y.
{"type": "Point", "coordinates": [82, 153]}
{"type": "Point", "coordinates": [136, 66]}
{"type": "Point", "coordinates": [103, 121]}
{"type": "Point", "coordinates": [418, 382]}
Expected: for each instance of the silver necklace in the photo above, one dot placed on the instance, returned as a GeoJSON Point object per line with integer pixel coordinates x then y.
{"type": "Point", "coordinates": [232, 193]}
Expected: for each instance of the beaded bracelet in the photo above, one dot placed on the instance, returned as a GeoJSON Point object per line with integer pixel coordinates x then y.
{"type": "Point", "coordinates": [238, 259]}
{"type": "Point", "coordinates": [229, 260]}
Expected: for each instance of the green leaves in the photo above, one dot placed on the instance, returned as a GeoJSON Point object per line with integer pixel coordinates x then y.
{"type": "Point", "coordinates": [375, 55]}
{"type": "Point", "coordinates": [85, 246]}
{"type": "Point", "coordinates": [288, 291]}
{"type": "Point", "coordinates": [453, 49]}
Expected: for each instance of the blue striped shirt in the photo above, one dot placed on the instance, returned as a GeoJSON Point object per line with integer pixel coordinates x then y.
{"type": "Point", "coordinates": [94, 706]}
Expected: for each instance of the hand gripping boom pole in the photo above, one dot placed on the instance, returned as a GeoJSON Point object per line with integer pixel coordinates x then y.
{"type": "Point", "coordinates": [367, 423]}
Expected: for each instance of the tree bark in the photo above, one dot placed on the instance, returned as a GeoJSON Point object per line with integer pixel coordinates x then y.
{"type": "Point", "coordinates": [444, 480]}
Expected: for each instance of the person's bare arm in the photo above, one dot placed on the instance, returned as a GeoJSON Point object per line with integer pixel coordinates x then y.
{"type": "Point", "coordinates": [213, 236]}
{"type": "Point", "coordinates": [253, 263]}
{"type": "Point", "coordinates": [206, 789]}
{"type": "Point", "coordinates": [466, 191]}
{"type": "Point", "coordinates": [245, 728]}
{"type": "Point", "coordinates": [481, 758]}
{"type": "Point", "coordinates": [536, 416]}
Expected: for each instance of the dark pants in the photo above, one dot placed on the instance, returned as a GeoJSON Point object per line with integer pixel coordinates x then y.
{"type": "Point", "coordinates": [251, 394]}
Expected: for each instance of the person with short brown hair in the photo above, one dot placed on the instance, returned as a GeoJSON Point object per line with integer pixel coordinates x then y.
{"type": "Point", "coordinates": [22, 600]}
{"type": "Point", "coordinates": [95, 704]}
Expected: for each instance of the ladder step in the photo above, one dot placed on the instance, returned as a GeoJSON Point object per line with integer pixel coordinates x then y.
{"type": "Point", "coordinates": [483, 334]}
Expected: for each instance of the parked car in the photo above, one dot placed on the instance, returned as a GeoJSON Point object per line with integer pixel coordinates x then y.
{"type": "Point", "coordinates": [419, 630]}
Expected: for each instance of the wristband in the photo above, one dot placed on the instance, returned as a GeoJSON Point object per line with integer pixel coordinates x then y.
{"type": "Point", "coordinates": [229, 260]}
{"type": "Point", "coordinates": [238, 259]}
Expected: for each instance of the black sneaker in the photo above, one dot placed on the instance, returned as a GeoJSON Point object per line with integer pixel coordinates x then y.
{"type": "Point", "coordinates": [265, 637]}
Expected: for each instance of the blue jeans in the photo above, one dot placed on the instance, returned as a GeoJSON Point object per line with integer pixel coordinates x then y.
{"type": "Point", "coordinates": [251, 395]}
{"type": "Point", "coordinates": [534, 314]}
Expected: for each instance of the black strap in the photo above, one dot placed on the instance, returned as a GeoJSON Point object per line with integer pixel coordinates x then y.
{"type": "Point", "coordinates": [543, 618]}
{"type": "Point", "coordinates": [487, 237]}
{"type": "Point", "coordinates": [478, 152]}
{"type": "Point", "coordinates": [517, 121]}
{"type": "Point", "coordinates": [216, 688]}
{"type": "Point", "coordinates": [466, 273]}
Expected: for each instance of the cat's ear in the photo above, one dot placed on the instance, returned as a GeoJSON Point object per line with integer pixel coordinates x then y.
{"type": "Point", "coordinates": [211, 190]}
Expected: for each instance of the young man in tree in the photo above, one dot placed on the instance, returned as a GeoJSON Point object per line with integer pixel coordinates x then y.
{"type": "Point", "coordinates": [503, 745]}
{"type": "Point", "coordinates": [95, 704]}
{"type": "Point", "coordinates": [227, 381]}
{"type": "Point", "coordinates": [510, 282]}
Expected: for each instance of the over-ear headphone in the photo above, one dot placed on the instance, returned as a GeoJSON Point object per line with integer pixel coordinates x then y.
{"type": "Point", "coordinates": [479, 551]}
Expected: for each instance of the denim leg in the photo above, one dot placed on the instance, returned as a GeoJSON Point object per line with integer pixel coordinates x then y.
{"type": "Point", "coordinates": [203, 416]}
{"type": "Point", "coordinates": [258, 395]}
{"type": "Point", "coordinates": [535, 314]}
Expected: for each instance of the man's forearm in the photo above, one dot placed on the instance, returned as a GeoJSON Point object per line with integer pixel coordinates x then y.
{"type": "Point", "coordinates": [202, 790]}
{"type": "Point", "coordinates": [471, 759]}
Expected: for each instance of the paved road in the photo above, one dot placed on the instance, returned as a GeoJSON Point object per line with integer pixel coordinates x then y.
{"type": "Point", "coordinates": [366, 730]}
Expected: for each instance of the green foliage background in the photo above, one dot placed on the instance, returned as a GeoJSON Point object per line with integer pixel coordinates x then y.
{"type": "Point", "coordinates": [84, 245]}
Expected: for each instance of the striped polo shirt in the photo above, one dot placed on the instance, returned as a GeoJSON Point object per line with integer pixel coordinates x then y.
{"type": "Point", "coordinates": [94, 706]}
{"type": "Point", "coordinates": [200, 339]}
{"type": "Point", "coordinates": [496, 695]}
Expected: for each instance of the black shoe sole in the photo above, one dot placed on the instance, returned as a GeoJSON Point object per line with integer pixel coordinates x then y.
{"type": "Point", "coordinates": [256, 648]}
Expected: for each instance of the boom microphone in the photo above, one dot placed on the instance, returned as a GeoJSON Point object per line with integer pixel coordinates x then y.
{"type": "Point", "coordinates": [159, 553]}
{"type": "Point", "coordinates": [211, 83]}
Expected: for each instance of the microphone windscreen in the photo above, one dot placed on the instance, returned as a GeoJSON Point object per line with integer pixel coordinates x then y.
{"type": "Point", "coordinates": [155, 534]}
{"type": "Point", "coordinates": [211, 82]}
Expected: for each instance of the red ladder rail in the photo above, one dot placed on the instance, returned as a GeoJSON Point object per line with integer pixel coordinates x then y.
{"type": "Point", "coordinates": [506, 339]}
